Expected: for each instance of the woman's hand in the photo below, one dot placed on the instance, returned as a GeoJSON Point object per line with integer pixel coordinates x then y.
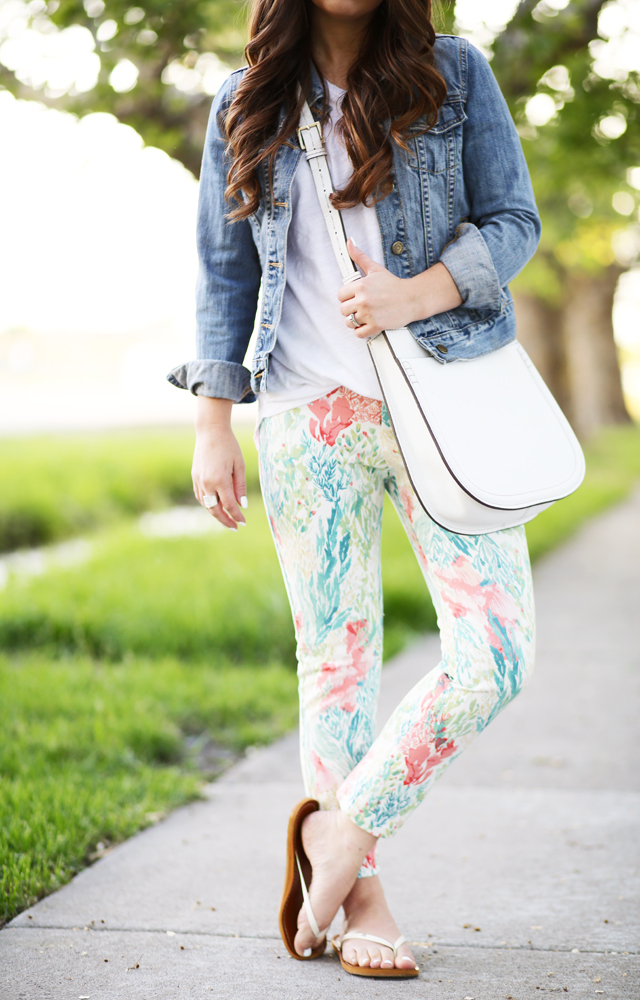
{"type": "Point", "coordinates": [218, 465]}
{"type": "Point", "coordinates": [381, 301]}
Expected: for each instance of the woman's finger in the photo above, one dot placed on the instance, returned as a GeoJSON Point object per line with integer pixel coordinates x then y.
{"type": "Point", "coordinates": [362, 319]}
{"type": "Point", "coordinates": [221, 515]}
{"type": "Point", "coordinates": [351, 305]}
{"type": "Point", "coordinates": [218, 511]}
{"type": "Point", "coordinates": [363, 260]}
{"type": "Point", "coordinates": [361, 314]}
{"type": "Point", "coordinates": [365, 330]}
{"type": "Point", "coordinates": [208, 489]}
{"type": "Point", "coordinates": [231, 506]}
{"type": "Point", "coordinates": [240, 483]}
{"type": "Point", "coordinates": [346, 292]}
{"type": "Point", "coordinates": [202, 490]}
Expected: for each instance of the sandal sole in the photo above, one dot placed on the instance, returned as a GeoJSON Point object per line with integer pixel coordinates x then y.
{"type": "Point", "coordinates": [357, 970]}
{"type": "Point", "coordinates": [292, 894]}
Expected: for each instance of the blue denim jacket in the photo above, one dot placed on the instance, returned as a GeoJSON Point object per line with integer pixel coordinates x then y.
{"type": "Point", "coordinates": [461, 196]}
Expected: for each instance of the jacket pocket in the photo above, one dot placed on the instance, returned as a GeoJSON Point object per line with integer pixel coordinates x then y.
{"type": "Point", "coordinates": [440, 148]}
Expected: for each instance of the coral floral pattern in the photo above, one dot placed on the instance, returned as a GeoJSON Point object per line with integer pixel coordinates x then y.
{"type": "Point", "coordinates": [324, 470]}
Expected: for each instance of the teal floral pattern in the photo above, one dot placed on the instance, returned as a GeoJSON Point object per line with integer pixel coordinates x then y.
{"type": "Point", "coordinates": [324, 470]}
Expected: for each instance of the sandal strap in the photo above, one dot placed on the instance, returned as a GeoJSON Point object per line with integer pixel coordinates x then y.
{"type": "Point", "coordinates": [311, 917]}
{"type": "Point", "coordinates": [360, 935]}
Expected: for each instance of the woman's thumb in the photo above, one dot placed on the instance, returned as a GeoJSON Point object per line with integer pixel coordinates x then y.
{"type": "Point", "coordinates": [360, 258]}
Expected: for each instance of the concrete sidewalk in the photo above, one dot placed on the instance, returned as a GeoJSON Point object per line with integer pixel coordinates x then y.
{"type": "Point", "coordinates": [517, 877]}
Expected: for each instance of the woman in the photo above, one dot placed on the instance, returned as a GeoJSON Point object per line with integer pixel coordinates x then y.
{"type": "Point", "coordinates": [437, 202]}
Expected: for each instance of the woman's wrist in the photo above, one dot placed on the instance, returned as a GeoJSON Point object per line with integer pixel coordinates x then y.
{"type": "Point", "coordinates": [213, 414]}
{"type": "Point", "coordinates": [431, 292]}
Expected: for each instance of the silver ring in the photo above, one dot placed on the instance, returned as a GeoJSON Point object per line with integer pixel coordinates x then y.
{"type": "Point", "coordinates": [210, 501]}
{"type": "Point", "coordinates": [354, 321]}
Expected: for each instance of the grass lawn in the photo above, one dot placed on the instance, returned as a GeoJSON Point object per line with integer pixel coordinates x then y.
{"type": "Point", "coordinates": [122, 677]}
{"type": "Point", "coordinates": [57, 486]}
{"type": "Point", "coordinates": [215, 595]}
{"type": "Point", "coordinates": [93, 751]}
{"type": "Point", "coordinates": [613, 469]}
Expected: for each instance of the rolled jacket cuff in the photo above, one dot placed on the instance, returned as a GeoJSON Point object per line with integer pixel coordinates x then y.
{"type": "Point", "coordinates": [219, 379]}
{"type": "Point", "coordinates": [468, 261]}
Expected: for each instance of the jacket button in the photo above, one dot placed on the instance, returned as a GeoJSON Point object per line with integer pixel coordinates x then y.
{"type": "Point", "coordinates": [442, 348]}
{"type": "Point", "coordinates": [397, 248]}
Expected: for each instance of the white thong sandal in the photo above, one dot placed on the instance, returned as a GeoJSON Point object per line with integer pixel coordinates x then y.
{"type": "Point", "coordinates": [311, 917]}
{"type": "Point", "coordinates": [359, 970]}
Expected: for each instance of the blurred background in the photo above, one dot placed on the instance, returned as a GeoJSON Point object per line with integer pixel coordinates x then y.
{"type": "Point", "coordinates": [141, 650]}
{"type": "Point", "coordinates": [102, 116]}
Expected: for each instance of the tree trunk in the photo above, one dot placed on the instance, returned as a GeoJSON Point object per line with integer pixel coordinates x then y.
{"type": "Point", "coordinates": [572, 347]}
{"type": "Point", "coordinates": [593, 372]}
{"type": "Point", "coordinates": [540, 333]}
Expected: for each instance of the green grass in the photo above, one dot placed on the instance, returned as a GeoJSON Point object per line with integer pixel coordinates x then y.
{"type": "Point", "coordinates": [117, 665]}
{"type": "Point", "coordinates": [91, 752]}
{"type": "Point", "coordinates": [613, 468]}
{"type": "Point", "coordinates": [58, 486]}
{"type": "Point", "coordinates": [223, 593]}
{"type": "Point", "coordinates": [218, 594]}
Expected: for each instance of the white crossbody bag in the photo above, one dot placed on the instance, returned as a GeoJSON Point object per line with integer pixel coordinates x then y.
{"type": "Point", "coordinates": [484, 442]}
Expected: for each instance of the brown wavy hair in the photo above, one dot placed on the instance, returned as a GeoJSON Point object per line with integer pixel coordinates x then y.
{"type": "Point", "coordinates": [393, 80]}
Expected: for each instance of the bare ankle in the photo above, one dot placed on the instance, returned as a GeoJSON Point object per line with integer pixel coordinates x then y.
{"type": "Point", "coordinates": [362, 840]}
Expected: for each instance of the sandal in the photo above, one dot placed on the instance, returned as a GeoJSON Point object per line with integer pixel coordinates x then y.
{"type": "Point", "coordinates": [295, 893]}
{"type": "Point", "coordinates": [365, 970]}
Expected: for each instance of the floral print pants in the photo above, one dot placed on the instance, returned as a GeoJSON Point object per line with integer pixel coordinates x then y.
{"type": "Point", "coordinates": [324, 468]}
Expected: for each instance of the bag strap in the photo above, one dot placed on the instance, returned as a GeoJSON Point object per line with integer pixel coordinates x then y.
{"type": "Point", "coordinates": [311, 141]}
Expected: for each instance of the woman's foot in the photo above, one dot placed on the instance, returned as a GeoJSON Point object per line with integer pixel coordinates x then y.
{"type": "Point", "coordinates": [365, 909]}
{"type": "Point", "coordinates": [336, 848]}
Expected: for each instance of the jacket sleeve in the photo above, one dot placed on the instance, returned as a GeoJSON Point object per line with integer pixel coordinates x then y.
{"type": "Point", "coordinates": [503, 230]}
{"type": "Point", "coordinates": [228, 281]}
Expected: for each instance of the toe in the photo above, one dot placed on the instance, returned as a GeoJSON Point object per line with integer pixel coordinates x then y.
{"type": "Point", "coordinates": [305, 940]}
{"type": "Point", "coordinates": [405, 960]}
{"type": "Point", "coordinates": [350, 954]}
{"type": "Point", "coordinates": [364, 959]}
{"type": "Point", "coordinates": [375, 958]}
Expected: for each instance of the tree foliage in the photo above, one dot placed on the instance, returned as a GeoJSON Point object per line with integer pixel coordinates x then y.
{"type": "Point", "coordinates": [158, 65]}
{"type": "Point", "coordinates": [581, 157]}
{"type": "Point", "coordinates": [574, 100]}
{"type": "Point", "coordinates": [180, 51]}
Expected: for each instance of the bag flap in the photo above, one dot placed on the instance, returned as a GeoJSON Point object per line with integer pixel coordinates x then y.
{"type": "Point", "coordinates": [497, 426]}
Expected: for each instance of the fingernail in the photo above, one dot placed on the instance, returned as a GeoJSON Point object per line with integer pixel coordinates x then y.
{"type": "Point", "coordinates": [244, 502]}
{"type": "Point", "coordinates": [242, 524]}
{"type": "Point", "coordinates": [306, 952]}
{"type": "Point", "coordinates": [233, 529]}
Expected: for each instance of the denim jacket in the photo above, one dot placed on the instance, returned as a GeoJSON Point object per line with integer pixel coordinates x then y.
{"type": "Point", "coordinates": [462, 195]}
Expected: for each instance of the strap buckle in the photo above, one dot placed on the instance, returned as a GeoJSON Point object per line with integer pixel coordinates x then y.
{"type": "Point", "coordinates": [308, 128]}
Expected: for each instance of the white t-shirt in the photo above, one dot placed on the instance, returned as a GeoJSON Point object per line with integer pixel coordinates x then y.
{"type": "Point", "coordinates": [315, 351]}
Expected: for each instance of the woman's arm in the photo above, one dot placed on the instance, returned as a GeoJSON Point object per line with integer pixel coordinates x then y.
{"type": "Point", "coordinates": [228, 277]}
{"type": "Point", "coordinates": [218, 466]}
{"type": "Point", "coordinates": [226, 300]}
{"type": "Point", "coordinates": [504, 228]}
